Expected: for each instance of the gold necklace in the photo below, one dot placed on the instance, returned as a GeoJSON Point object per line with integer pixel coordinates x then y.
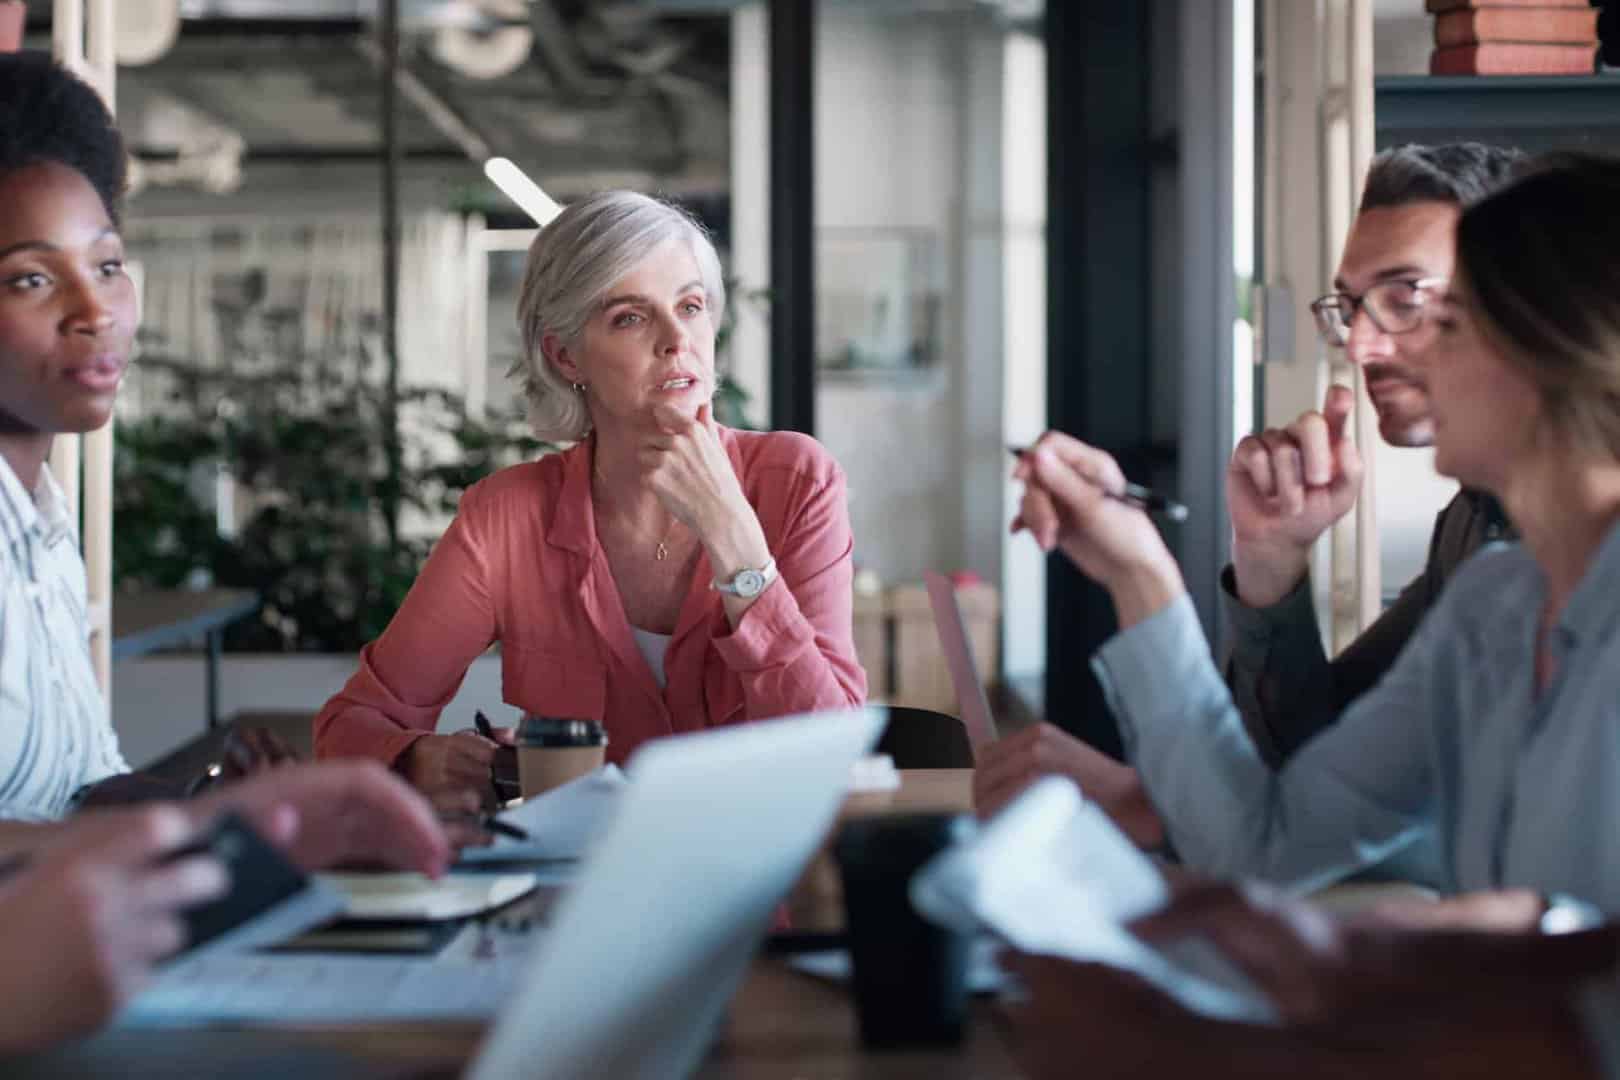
{"type": "Point", "coordinates": [661, 552]}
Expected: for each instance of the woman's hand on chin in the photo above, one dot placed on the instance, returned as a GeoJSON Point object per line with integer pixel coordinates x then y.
{"type": "Point", "coordinates": [687, 467]}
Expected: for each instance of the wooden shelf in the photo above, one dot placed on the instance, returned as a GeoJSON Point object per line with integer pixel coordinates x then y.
{"type": "Point", "coordinates": [1534, 112]}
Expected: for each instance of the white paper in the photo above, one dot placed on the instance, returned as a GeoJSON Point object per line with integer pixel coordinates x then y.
{"type": "Point", "coordinates": [1051, 874]}
{"type": "Point", "coordinates": [561, 823]}
{"type": "Point", "coordinates": [463, 982]}
{"type": "Point", "coordinates": [875, 772]}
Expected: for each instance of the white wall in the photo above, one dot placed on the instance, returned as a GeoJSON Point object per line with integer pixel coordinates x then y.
{"type": "Point", "coordinates": [158, 701]}
{"type": "Point", "coordinates": [886, 131]}
{"type": "Point", "coordinates": [1403, 36]}
{"type": "Point", "coordinates": [910, 132]}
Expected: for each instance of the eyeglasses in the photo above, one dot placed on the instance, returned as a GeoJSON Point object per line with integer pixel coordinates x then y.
{"type": "Point", "coordinates": [1395, 307]}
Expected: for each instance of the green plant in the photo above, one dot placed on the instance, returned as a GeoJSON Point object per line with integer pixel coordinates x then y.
{"type": "Point", "coordinates": [730, 398]}
{"type": "Point", "coordinates": [308, 454]}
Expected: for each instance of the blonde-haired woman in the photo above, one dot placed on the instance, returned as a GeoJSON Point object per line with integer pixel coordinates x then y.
{"type": "Point", "coordinates": [1497, 732]}
{"type": "Point", "coordinates": [663, 575]}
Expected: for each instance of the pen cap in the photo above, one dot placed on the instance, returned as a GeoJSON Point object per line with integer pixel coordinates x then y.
{"type": "Point", "coordinates": [559, 731]}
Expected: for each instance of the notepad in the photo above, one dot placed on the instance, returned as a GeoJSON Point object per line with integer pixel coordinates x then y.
{"type": "Point", "coordinates": [406, 896]}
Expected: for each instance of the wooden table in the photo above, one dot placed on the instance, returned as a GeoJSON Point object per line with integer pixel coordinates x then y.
{"type": "Point", "coordinates": [782, 1025]}
{"type": "Point", "coordinates": [149, 619]}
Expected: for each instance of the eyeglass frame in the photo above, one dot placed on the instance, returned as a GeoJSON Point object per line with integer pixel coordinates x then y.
{"type": "Point", "coordinates": [1358, 304]}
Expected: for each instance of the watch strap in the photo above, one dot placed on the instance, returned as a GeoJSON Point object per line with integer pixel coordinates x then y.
{"type": "Point", "coordinates": [767, 572]}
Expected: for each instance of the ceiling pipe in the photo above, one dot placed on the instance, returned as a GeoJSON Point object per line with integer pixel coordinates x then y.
{"type": "Point", "coordinates": [439, 112]}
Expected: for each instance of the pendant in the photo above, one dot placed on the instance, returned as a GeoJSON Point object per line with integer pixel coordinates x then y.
{"type": "Point", "coordinates": [662, 553]}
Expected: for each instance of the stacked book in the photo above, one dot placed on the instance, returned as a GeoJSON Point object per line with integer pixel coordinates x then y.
{"type": "Point", "coordinates": [1513, 37]}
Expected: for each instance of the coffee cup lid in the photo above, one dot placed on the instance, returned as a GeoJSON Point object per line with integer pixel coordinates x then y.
{"type": "Point", "coordinates": [560, 731]}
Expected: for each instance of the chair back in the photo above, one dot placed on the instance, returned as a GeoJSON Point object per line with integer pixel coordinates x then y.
{"type": "Point", "coordinates": [923, 739]}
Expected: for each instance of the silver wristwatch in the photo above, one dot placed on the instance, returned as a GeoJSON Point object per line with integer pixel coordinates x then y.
{"type": "Point", "coordinates": [749, 583]}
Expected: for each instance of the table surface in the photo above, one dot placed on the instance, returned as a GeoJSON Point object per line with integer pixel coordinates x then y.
{"type": "Point", "coordinates": [148, 619]}
{"type": "Point", "coordinates": [782, 1025]}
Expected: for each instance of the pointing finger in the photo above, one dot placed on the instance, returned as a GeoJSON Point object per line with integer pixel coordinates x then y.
{"type": "Point", "coordinates": [1337, 406]}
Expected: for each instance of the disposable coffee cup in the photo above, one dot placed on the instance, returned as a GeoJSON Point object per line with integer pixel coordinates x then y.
{"type": "Point", "coordinates": [552, 751]}
{"type": "Point", "coordinates": [910, 975]}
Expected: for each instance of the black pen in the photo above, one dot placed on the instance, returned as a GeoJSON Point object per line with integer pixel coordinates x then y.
{"type": "Point", "coordinates": [493, 824]}
{"type": "Point", "coordinates": [489, 823]}
{"type": "Point", "coordinates": [1143, 498]}
{"type": "Point", "coordinates": [487, 730]}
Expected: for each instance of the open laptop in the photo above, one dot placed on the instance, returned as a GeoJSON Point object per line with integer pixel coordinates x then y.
{"type": "Point", "coordinates": [650, 942]}
{"type": "Point", "coordinates": [971, 702]}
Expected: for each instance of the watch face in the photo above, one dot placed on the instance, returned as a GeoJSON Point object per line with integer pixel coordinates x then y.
{"type": "Point", "coordinates": [749, 583]}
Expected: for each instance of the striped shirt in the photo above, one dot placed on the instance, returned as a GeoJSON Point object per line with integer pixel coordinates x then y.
{"type": "Point", "coordinates": [55, 733]}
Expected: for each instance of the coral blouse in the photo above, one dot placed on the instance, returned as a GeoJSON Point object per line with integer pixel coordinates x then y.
{"type": "Point", "coordinates": [520, 565]}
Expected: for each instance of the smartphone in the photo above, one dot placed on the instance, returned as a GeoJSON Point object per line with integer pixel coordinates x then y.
{"type": "Point", "coordinates": [268, 901]}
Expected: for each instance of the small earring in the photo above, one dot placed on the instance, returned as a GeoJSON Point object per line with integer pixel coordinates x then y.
{"type": "Point", "coordinates": [579, 387]}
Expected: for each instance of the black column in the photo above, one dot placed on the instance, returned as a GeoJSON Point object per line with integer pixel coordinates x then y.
{"type": "Point", "coordinates": [793, 252]}
{"type": "Point", "coordinates": [1098, 323]}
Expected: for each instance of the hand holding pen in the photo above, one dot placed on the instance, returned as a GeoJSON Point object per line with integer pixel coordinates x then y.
{"type": "Point", "coordinates": [486, 822]}
{"type": "Point", "coordinates": [1076, 499]}
{"type": "Point", "coordinates": [455, 772]}
{"type": "Point", "coordinates": [1137, 495]}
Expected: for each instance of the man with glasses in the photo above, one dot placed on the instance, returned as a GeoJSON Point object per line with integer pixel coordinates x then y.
{"type": "Point", "coordinates": [1286, 486]}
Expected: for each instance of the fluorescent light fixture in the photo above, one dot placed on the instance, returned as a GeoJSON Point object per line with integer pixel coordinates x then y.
{"type": "Point", "coordinates": [521, 190]}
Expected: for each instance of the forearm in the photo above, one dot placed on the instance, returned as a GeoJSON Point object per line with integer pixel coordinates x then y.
{"type": "Point", "coordinates": [1146, 589]}
{"type": "Point", "coordinates": [789, 661]}
{"type": "Point", "coordinates": [343, 730]}
{"type": "Point", "coordinates": [1279, 676]}
{"type": "Point", "coordinates": [1225, 810]}
{"type": "Point", "coordinates": [1182, 735]}
{"type": "Point", "coordinates": [1265, 573]}
{"type": "Point", "coordinates": [735, 542]}
{"type": "Point", "coordinates": [371, 717]}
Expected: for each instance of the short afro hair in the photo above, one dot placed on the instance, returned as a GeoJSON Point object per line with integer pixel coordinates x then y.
{"type": "Point", "coordinates": [48, 115]}
{"type": "Point", "coordinates": [1461, 173]}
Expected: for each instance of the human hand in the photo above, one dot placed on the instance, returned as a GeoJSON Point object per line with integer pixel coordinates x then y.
{"type": "Point", "coordinates": [346, 812]}
{"type": "Point", "coordinates": [84, 922]}
{"type": "Point", "coordinates": [1004, 768]}
{"type": "Point", "coordinates": [1322, 971]}
{"type": "Point", "coordinates": [1294, 953]}
{"type": "Point", "coordinates": [1284, 488]}
{"type": "Point", "coordinates": [1492, 911]}
{"type": "Point", "coordinates": [451, 767]}
{"type": "Point", "coordinates": [1112, 542]}
{"type": "Point", "coordinates": [249, 750]}
{"type": "Point", "coordinates": [687, 467]}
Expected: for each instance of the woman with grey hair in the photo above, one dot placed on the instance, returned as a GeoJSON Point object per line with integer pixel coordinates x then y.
{"type": "Point", "coordinates": [664, 574]}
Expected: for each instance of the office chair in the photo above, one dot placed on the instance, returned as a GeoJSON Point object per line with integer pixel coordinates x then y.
{"type": "Point", "coordinates": [924, 739]}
